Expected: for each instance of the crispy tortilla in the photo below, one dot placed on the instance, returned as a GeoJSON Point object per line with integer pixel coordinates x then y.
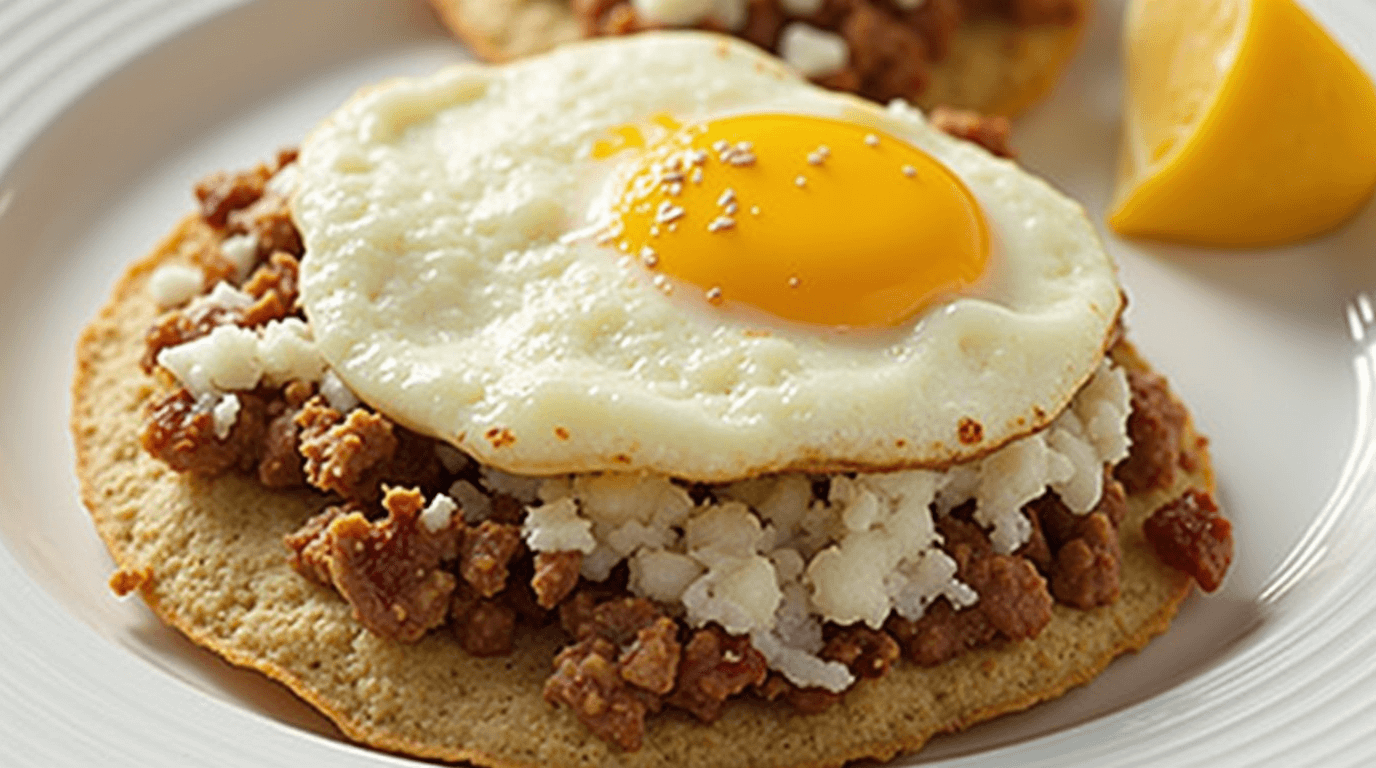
{"type": "Point", "coordinates": [207, 556]}
{"type": "Point", "coordinates": [994, 67]}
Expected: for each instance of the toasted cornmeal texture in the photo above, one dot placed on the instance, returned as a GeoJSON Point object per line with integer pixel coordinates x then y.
{"type": "Point", "coordinates": [993, 67]}
{"type": "Point", "coordinates": [208, 558]}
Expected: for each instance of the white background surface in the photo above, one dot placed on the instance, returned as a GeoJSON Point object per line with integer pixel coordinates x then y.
{"type": "Point", "coordinates": [109, 110]}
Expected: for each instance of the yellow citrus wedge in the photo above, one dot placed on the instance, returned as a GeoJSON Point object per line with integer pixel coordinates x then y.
{"type": "Point", "coordinates": [1245, 124]}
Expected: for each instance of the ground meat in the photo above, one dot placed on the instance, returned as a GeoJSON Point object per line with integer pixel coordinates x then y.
{"type": "Point", "coordinates": [627, 653]}
{"type": "Point", "coordinates": [1113, 499]}
{"type": "Point", "coordinates": [269, 220]}
{"type": "Point", "coordinates": [1190, 535]}
{"type": "Point", "coordinates": [178, 327]}
{"type": "Point", "coordinates": [941, 634]}
{"type": "Point", "coordinates": [556, 574]}
{"type": "Point", "coordinates": [587, 680]}
{"type": "Point", "coordinates": [936, 21]}
{"type": "Point", "coordinates": [989, 132]}
{"type": "Point", "coordinates": [310, 544]}
{"type": "Point", "coordinates": [519, 593]}
{"type": "Point", "coordinates": [651, 660]}
{"type": "Point", "coordinates": [1037, 550]}
{"type": "Point", "coordinates": [484, 554]}
{"type": "Point", "coordinates": [415, 464]}
{"type": "Point", "coordinates": [280, 275]}
{"type": "Point", "coordinates": [273, 284]}
{"type": "Point", "coordinates": [390, 571]}
{"type": "Point", "coordinates": [297, 392]}
{"type": "Point", "coordinates": [606, 612]}
{"type": "Point", "coordinates": [763, 22]}
{"type": "Point", "coordinates": [1013, 600]}
{"type": "Point", "coordinates": [715, 666]}
{"type": "Point", "coordinates": [124, 581]}
{"type": "Point", "coordinates": [344, 454]}
{"type": "Point", "coordinates": [180, 432]}
{"type": "Point", "coordinates": [620, 618]}
{"type": "Point", "coordinates": [507, 509]}
{"type": "Point", "coordinates": [1012, 595]}
{"type": "Point", "coordinates": [484, 627]}
{"type": "Point", "coordinates": [1086, 571]}
{"type": "Point", "coordinates": [1155, 426]}
{"type": "Point", "coordinates": [605, 17]}
{"type": "Point", "coordinates": [888, 59]}
{"type": "Point", "coordinates": [867, 652]}
{"type": "Point", "coordinates": [576, 615]}
{"type": "Point", "coordinates": [891, 50]}
{"type": "Point", "coordinates": [280, 463]}
{"type": "Point", "coordinates": [220, 192]}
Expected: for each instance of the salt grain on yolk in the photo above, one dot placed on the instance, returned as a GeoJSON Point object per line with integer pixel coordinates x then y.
{"type": "Point", "coordinates": [810, 219]}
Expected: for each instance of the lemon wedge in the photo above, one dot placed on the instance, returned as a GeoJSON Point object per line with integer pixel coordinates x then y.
{"type": "Point", "coordinates": [1245, 124]}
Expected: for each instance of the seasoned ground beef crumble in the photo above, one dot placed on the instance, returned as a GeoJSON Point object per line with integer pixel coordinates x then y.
{"type": "Point", "coordinates": [628, 657]}
{"type": "Point", "coordinates": [891, 46]}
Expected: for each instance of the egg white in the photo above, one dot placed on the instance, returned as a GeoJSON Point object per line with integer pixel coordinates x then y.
{"type": "Point", "coordinates": [443, 287]}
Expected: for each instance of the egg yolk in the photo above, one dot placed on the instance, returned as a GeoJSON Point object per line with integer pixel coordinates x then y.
{"type": "Point", "coordinates": [809, 219]}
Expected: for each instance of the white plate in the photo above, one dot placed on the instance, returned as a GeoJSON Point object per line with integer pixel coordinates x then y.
{"type": "Point", "coordinates": [110, 109]}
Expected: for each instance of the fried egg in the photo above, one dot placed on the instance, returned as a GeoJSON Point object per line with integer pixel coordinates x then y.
{"type": "Point", "coordinates": [668, 253]}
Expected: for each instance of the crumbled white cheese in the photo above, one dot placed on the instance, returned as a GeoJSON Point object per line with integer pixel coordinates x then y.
{"type": "Point", "coordinates": [1068, 457]}
{"type": "Point", "coordinates": [222, 296]}
{"type": "Point", "coordinates": [813, 52]}
{"type": "Point", "coordinates": [598, 564]}
{"type": "Point", "coordinates": [741, 594]}
{"type": "Point", "coordinates": [523, 489]}
{"type": "Point", "coordinates": [848, 579]}
{"type": "Point", "coordinates": [628, 537]}
{"type": "Point", "coordinates": [557, 527]}
{"type": "Point", "coordinates": [287, 353]}
{"type": "Point", "coordinates": [800, 667]}
{"type": "Point", "coordinates": [283, 183]}
{"type": "Point", "coordinates": [222, 360]}
{"type": "Point", "coordinates": [230, 357]}
{"type": "Point", "coordinates": [915, 583]}
{"type": "Point", "coordinates": [224, 415]}
{"type": "Point", "coordinates": [241, 251]}
{"type": "Point", "coordinates": [343, 399]}
{"type": "Point", "coordinates": [1081, 490]}
{"type": "Point", "coordinates": [765, 557]}
{"type": "Point", "coordinates": [888, 525]}
{"type": "Point", "coordinates": [720, 531]}
{"type": "Point", "coordinates": [175, 284]}
{"type": "Point", "coordinates": [788, 564]}
{"type": "Point", "coordinates": [1009, 478]}
{"type": "Point", "coordinates": [1102, 406]}
{"type": "Point", "coordinates": [618, 499]}
{"type": "Point", "coordinates": [662, 575]}
{"type": "Point", "coordinates": [678, 13]}
{"type": "Point", "coordinates": [438, 513]}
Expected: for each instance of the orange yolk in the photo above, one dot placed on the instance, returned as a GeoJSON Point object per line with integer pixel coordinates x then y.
{"type": "Point", "coordinates": [809, 219]}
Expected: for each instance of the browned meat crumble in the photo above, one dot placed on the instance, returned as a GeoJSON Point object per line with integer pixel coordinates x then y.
{"type": "Point", "coordinates": [892, 50]}
{"type": "Point", "coordinates": [1154, 426]}
{"type": "Point", "coordinates": [1190, 535]}
{"type": "Point", "coordinates": [627, 657]}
